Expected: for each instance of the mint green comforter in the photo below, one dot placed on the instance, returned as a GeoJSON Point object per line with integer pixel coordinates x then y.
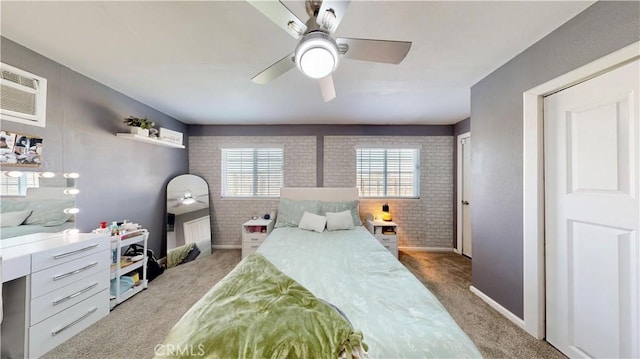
{"type": "Point", "coordinates": [256, 311]}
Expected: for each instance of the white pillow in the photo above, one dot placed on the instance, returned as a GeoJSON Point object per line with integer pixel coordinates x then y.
{"type": "Point", "coordinates": [312, 222]}
{"type": "Point", "coordinates": [12, 219]}
{"type": "Point", "coordinates": [339, 220]}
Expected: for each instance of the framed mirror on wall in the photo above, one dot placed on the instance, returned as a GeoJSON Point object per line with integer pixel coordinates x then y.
{"type": "Point", "coordinates": [188, 220]}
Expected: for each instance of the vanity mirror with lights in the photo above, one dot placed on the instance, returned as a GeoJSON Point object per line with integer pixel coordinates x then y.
{"type": "Point", "coordinates": [188, 220]}
{"type": "Point", "coordinates": [37, 202]}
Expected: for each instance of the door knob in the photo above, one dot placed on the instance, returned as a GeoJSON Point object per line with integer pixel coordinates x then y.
{"type": "Point", "coordinates": [466, 203]}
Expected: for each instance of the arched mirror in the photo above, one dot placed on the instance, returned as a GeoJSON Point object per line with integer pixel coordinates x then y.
{"type": "Point", "coordinates": [188, 221]}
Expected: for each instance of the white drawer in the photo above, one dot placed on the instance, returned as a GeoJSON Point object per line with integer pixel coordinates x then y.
{"type": "Point", "coordinates": [253, 237]}
{"type": "Point", "coordinates": [53, 331]}
{"type": "Point", "coordinates": [59, 276]}
{"type": "Point", "coordinates": [52, 257]}
{"type": "Point", "coordinates": [387, 238]}
{"type": "Point", "coordinates": [69, 295]}
{"type": "Point", "coordinates": [251, 245]}
{"type": "Point", "coordinates": [248, 250]}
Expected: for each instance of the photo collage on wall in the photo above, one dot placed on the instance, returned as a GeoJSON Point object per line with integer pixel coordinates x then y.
{"type": "Point", "coordinates": [19, 149]}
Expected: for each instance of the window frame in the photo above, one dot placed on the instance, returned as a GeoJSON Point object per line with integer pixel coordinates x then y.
{"type": "Point", "coordinates": [416, 173]}
{"type": "Point", "coordinates": [224, 193]}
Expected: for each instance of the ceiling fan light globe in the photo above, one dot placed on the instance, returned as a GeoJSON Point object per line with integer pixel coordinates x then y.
{"type": "Point", "coordinates": [317, 63]}
{"type": "Point", "coordinates": [189, 200]}
{"type": "Point", "coordinates": [317, 55]}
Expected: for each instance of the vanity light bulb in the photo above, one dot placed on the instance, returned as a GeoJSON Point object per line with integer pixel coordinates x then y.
{"type": "Point", "coordinates": [47, 174]}
{"type": "Point", "coordinates": [71, 231]}
{"type": "Point", "coordinates": [71, 175]}
{"type": "Point", "coordinates": [14, 174]}
{"type": "Point", "coordinates": [71, 210]}
{"type": "Point", "coordinates": [71, 191]}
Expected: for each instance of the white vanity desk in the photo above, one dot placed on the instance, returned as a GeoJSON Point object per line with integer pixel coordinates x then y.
{"type": "Point", "coordinates": [53, 287]}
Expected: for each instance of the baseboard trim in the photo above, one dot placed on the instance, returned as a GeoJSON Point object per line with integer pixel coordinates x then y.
{"type": "Point", "coordinates": [426, 249]}
{"type": "Point", "coordinates": [502, 310]}
{"type": "Point", "coordinates": [227, 246]}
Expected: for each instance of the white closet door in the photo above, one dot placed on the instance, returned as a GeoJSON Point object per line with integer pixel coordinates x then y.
{"type": "Point", "coordinates": [592, 216]}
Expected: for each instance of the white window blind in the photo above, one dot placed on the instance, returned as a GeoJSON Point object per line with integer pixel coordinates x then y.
{"type": "Point", "coordinates": [383, 172]}
{"type": "Point", "coordinates": [17, 186]}
{"type": "Point", "coordinates": [252, 172]}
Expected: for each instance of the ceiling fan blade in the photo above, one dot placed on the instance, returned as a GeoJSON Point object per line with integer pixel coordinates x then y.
{"type": "Point", "coordinates": [328, 21]}
{"type": "Point", "coordinates": [179, 204]}
{"type": "Point", "coordinates": [327, 88]}
{"type": "Point", "coordinates": [390, 52]}
{"type": "Point", "coordinates": [283, 65]}
{"type": "Point", "coordinates": [281, 16]}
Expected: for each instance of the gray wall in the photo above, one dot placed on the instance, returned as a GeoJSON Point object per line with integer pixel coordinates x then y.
{"type": "Point", "coordinates": [120, 179]}
{"type": "Point", "coordinates": [496, 111]}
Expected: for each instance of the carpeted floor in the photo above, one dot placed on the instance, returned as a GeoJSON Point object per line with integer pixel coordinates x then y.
{"type": "Point", "coordinates": [135, 327]}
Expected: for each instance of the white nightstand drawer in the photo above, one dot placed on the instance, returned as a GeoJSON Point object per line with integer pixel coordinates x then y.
{"type": "Point", "coordinates": [387, 238]}
{"type": "Point", "coordinates": [254, 237]}
{"type": "Point", "coordinates": [391, 247]}
{"type": "Point", "coordinates": [53, 331]}
{"type": "Point", "coordinates": [59, 276]}
{"type": "Point", "coordinates": [52, 257]}
{"type": "Point", "coordinates": [252, 244]}
{"type": "Point", "coordinates": [249, 250]}
{"type": "Point", "coordinates": [67, 296]}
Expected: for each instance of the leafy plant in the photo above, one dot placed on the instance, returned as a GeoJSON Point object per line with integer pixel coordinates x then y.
{"type": "Point", "coordinates": [139, 122]}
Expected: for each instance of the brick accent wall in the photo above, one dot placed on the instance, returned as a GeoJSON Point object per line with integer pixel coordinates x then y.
{"type": "Point", "coordinates": [227, 215]}
{"type": "Point", "coordinates": [423, 222]}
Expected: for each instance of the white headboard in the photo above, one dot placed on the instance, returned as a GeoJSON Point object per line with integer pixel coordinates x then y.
{"type": "Point", "coordinates": [327, 194]}
{"type": "Point", "coordinates": [47, 193]}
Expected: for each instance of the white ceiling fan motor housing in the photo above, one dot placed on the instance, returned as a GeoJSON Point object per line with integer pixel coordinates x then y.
{"type": "Point", "coordinates": [317, 54]}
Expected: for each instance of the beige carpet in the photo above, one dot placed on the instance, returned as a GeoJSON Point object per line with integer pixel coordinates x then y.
{"type": "Point", "coordinates": [135, 327]}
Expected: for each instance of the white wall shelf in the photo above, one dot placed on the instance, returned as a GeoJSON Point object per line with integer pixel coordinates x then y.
{"type": "Point", "coordinates": [154, 141]}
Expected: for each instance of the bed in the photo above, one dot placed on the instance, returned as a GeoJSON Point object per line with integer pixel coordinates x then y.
{"type": "Point", "coordinates": [381, 307]}
{"type": "Point", "coordinates": [40, 211]}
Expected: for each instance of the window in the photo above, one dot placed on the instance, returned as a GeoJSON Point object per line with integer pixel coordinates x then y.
{"type": "Point", "coordinates": [252, 172]}
{"type": "Point", "coordinates": [385, 172]}
{"type": "Point", "coordinates": [17, 186]}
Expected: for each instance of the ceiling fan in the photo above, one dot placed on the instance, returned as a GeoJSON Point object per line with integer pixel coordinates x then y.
{"type": "Point", "coordinates": [187, 199]}
{"type": "Point", "coordinates": [317, 54]}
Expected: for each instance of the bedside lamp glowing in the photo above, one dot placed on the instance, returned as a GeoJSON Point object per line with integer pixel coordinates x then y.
{"type": "Point", "coordinates": [386, 216]}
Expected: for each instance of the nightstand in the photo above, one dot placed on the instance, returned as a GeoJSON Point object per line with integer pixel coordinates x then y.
{"type": "Point", "coordinates": [253, 234]}
{"type": "Point", "coordinates": [386, 232]}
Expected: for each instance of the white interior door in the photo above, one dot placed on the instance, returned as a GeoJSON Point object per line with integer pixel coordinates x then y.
{"type": "Point", "coordinates": [466, 197]}
{"type": "Point", "coordinates": [592, 216]}
{"type": "Point", "coordinates": [197, 230]}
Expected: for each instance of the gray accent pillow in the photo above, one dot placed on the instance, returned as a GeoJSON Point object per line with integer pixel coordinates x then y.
{"type": "Point", "coordinates": [49, 211]}
{"type": "Point", "coordinates": [13, 219]}
{"type": "Point", "coordinates": [343, 206]}
{"type": "Point", "coordinates": [290, 211]}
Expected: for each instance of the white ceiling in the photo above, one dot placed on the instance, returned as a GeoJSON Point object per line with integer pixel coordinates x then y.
{"type": "Point", "coordinates": [194, 60]}
{"type": "Point", "coordinates": [177, 188]}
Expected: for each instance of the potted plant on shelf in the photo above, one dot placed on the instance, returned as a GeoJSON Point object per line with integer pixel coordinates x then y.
{"type": "Point", "coordinates": [139, 126]}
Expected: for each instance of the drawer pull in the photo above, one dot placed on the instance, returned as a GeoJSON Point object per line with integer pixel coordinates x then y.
{"type": "Point", "coordinates": [255, 246]}
{"type": "Point", "coordinates": [62, 300]}
{"type": "Point", "coordinates": [255, 239]}
{"type": "Point", "coordinates": [58, 256]}
{"type": "Point", "coordinates": [54, 333]}
{"type": "Point", "coordinates": [61, 276]}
